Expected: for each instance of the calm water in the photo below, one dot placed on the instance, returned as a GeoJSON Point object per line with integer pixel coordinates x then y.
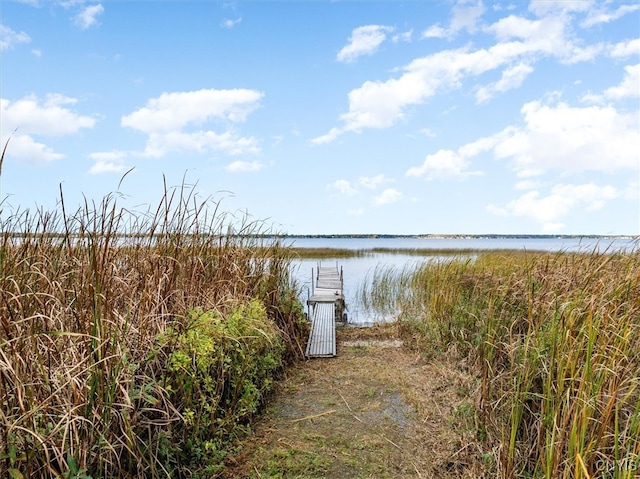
{"type": "Point", "coordinates": [356, 270]}
{"type": "Point", "coordinates": [541, 244]}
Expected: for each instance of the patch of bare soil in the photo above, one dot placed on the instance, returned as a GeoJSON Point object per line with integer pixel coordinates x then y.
{"type": "Point", "coordinates": [376, 410]}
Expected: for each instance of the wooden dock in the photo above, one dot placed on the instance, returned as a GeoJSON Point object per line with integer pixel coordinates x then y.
{"type": "Point", "coordinates": [327, 304]}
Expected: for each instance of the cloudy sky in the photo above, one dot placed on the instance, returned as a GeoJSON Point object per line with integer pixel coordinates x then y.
{"type": "Point", "coordinates": [331, 117]}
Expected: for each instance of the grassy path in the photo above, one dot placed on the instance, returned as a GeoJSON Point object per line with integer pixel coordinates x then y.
{"type": "Point", "coordinates": [377, 410]}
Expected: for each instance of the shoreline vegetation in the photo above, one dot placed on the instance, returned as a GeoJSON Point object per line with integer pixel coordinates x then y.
{"type": "Point", "coordinates": [324, 253]}
{"type": "Point", "coordinates": [463, 236]}
{"type": "Point", "coordinates": [146, 344]}
{"type": "Point", "coordinates": [139, 357]}
{"type": "Point", "coordinates": [553, 340]}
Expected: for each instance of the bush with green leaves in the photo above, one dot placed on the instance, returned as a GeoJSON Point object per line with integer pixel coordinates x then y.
{"type": "Point", "coordinates": [218, 371]}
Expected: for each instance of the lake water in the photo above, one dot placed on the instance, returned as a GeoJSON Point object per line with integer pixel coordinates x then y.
{"type": "Point", "coordinates": [357, 269]}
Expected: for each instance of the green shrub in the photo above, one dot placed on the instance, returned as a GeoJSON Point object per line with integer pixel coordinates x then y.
{"type": "Point", "coordinates": [218, 370]}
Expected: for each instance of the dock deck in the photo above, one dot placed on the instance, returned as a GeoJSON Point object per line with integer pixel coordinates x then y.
{"type": "Point", "coordinates": [327, 303]}
{"type": "Point", "coordinates": [322, 340]}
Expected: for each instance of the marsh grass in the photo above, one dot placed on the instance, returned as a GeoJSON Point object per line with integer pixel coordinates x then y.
{"type": "Point", "coordinates": [99, 305]}
{"type": "Point", "coordinates": [555, 342]}
{"type": "Point", "coordinates": [322, 253]}
{"type": "Point", "coordinates": [432, 252]}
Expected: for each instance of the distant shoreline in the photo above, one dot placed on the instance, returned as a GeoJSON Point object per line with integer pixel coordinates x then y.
{"type": "Point", "coordinates": [453, 236]}
{"type": "Point", "coordinates": [115, 234]}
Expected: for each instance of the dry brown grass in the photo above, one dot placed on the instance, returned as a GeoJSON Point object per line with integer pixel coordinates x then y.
{"type": "Point", "coordinates": [555, 340]}
{"type": "Point", "coordinates": [84, 297]}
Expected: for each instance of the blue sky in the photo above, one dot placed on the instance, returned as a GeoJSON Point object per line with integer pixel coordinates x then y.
{"type": "Point", "coordinates": [331, 117]}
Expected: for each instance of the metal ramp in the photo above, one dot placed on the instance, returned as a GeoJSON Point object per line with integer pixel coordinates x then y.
{"type": "Point", "coordinates": [322, 340]}
{"type": "Point", "coordinates": [327, 303]}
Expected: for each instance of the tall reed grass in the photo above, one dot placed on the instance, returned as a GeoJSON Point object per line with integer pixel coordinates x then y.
{"type": "Point", "coordinates": [554, 340]}
{"type": "Point", "coordinates": [134, 344]}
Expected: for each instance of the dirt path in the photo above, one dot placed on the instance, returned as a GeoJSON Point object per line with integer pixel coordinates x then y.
{"type": "Point", "coordinates": [377, 410]}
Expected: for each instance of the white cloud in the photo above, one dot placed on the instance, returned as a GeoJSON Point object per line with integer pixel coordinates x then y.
{"type": "Point", "coordinates": [465, 16]}
{"type": "Point", "coordinates": [381, 104]}
{"type": "Point", "coordinates": [586, 54]}
{"type": "Point", "coordinates": [88, 16]}
{"type": "Point", "coordinates": [171, 111]}
{"type": "Point", "coordinates": [57, 99]}
{"type": "Point", "coordinates": [553, 137]}
{"type": "Point", "coordinates": [428, 132]}
{"type": "Point", "coordinates": [100, 167]}
{"type": "Point", "coordinates": [517, 27]}
{"type": "Point", "coordinates": [65, 3]}
{"type": "Point", "coordinates": [403, 37]}
{"type": "Point", "coordinates": [348, 188]}
{"type": "Point", "coordinates": [10, 38]}
{"type": "Point", "coordinates": [49, 118]}
{"type": "Point", "coordinates": [24, 118]}
{"type": "Point", "coordinates": [549, 7]}
{"type": "Point", "coordinates": [511, 78]}
{"type": "Point", "coordinates": [630, 86]}
{"type": "Point", "coordinates": [435, 31]}
{"type": "Point", "coordinates": [443, 164]}
{"type": "Point", "coordinates": [26, 149]}
{"type": "Point", "coordinates": [327, 138]}
{"type": "Point", "coordinates": [597, 16]}
{"type": "Point", "coordinates": [568, 138]}
{"type": "Point", "coordinates": [201, 141]}
{"type": "Point", "coordinates": [371, 182]}
{"type": "Point", "coordinates": [355, 212]}
{"type": "Point", "coordinates": [244, 166]}
{"type": "Point", "coordinates": [547, 36]}
{"type": "Point", "coordinates": [166, 118]}
{"type": "Point", "coordinates": [229, 23]}
{"type": "Point", "coordinates": [626, 49]}
{"type": "Point", "coordinates": [343, 187]}
{"type": "Point", "coordinates": [560, 202]}
{"type": "Point", "coordinates": [477, 147]}
{"type": "Point", "coordinates": [364, 40]}
{"type": "Point", "coordinates": [388, 196]}
{"type": "Point", "coordinates": [108, 162]}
